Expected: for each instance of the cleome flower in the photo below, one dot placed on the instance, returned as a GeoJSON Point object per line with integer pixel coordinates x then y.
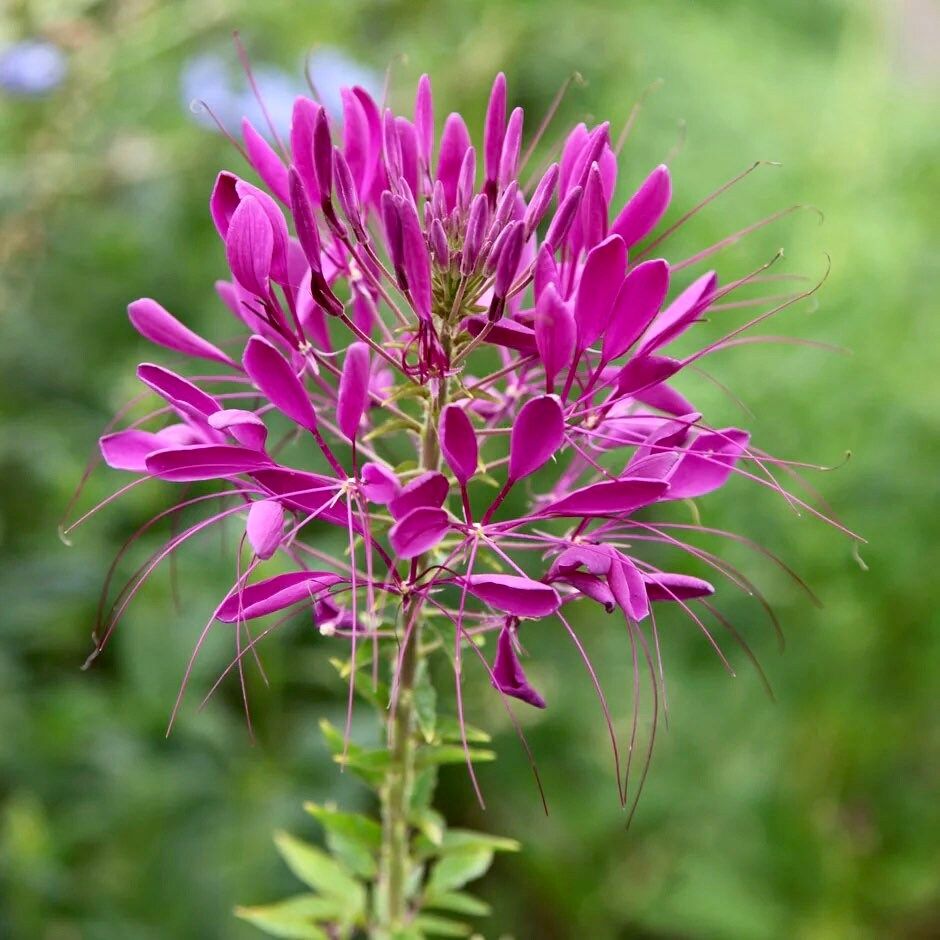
{"type": "Point", "coordinates": [473, 364]}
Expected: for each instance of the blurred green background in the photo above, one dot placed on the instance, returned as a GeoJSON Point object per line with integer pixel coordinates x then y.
{"type": "Point", "coordinates": [814, 817]}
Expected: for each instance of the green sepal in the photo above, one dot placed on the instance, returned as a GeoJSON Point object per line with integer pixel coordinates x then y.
{"type": "Point", "coordinates": [353, 838]}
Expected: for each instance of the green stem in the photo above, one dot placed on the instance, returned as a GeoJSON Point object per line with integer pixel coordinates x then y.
{"type": "Point", "coordinates": [395, 858]}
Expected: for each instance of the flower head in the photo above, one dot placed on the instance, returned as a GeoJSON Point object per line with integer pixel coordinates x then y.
{"type": "Point", "coordinates": [475, 364]}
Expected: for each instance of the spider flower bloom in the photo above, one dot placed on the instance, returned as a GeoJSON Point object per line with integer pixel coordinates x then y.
{"type": "Point", "coordinates": [464, 366]}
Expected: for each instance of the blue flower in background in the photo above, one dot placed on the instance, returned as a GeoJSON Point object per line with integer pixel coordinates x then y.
{"type": "Point", "coordinates": [209, 78]}
{"type": "Point", "coordinates": [31, 67]}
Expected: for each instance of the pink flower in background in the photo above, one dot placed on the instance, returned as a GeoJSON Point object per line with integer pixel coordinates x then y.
{"type": "Point", "coordinates": [467, 367]}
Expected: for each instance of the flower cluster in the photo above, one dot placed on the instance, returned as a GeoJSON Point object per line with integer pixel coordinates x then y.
{"type": "Point", "coordinates": [438, 325]}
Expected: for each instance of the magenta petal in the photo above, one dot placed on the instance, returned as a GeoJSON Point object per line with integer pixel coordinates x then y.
{"type": "Point", "coordinates": [601, 279]}
{"type": "Point", "coordinates": [670, 587]}
{"type": "Point", "coordinates": [245, 426]}
{"type": "Point", "coordinates": [274, 594]}
{"type": "Point", "coordinates": [537, 433]}
{"type": "Point", "coordinates": [417, 262]}
{"type": "Point", "coordinates": [555, 333]}
{"type": "Point", "coordinates": [627, 585]}
{"type": "Point", "coordinates": [418, 531]}
{"type": "Point", "coordinates": [595, 558]}
{"type": "Point", "coordinates": [249, 246]}
{"type": "Point", "coordinates": [645, 371]}
{"type": "Point", "coordinates": [609, 497]}
{"type": "Point", "coordinates": [303, 120]}
{"type": "Point", "coordinates": [276, 379]}
{"type": "Point", "coordinates": [155, 323]}
{"type": "Point", "coordinates": [508, 675]}
{"type": "Point", "coordinates": [224, 201]}
{"type": "Point", "coordinates": [645, 207]}
{"type": "Point", "coordinates": [379, 484]}
{"type": "Point", "coordinates": [128, 450]}
{"type": "Point", "coordinates": [308, 492]}
{"type": "Point", "coordinates": [429, 489]}
{"type": "Point", "coordinates": [265, 527]}
{"type": "Point", "coordinates": [590, 585]}
{"type": "Point", "coordinates": [707, 463]}
{"type": "Point", "coordinates": [281, 248]}
{"type": "Point", "coordinates": [513, 594]}
{"type": "Point", "coordinates": [353, 394]}
{"type": "Point", "coordinates": [494, 128]}
{"type": "Point", "coordinates": [458, 443]}
{"type": "Point", "coordinates": [637, 302]}
{"type": "Point", "coordinates": [424, 119]}
{"type": "Point", "coordinates": [204, 462]}
{"type": "Point", "coordinates": [664, 398]}
{"type": "Point", "coordinates": [266, 162]}
{"type": "Point", "coordinates": [179, 392]}
{"type": "Point", "coordinates": [504, 333]}
{"type": "Point", "coordinates": [455, 139]}
{"type": "Point", "coordinates": [680, 314]}
{"type": "Point", "coordinates": [512, 144]}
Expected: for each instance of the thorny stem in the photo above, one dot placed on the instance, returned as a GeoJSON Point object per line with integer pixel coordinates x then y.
{"type": "Point", "coordinates": [395, 858]}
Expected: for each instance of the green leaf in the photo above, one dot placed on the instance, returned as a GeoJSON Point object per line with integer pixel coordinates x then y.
{"type": "Point", "coordinates": [294, 918]}
{"type": "Point", "coordinates": [317, 870]}
{"type": "Point", "coordinates": [391, 426]}
{"type": "Point", "coordinates": [458, 840]}
{"type": "Point", "coordinates": [425, 699]}
{"type": "Point", "coordinates": [353, 838]}
{"type": "Point", "coordinates": [460, 903]}
{"type": "Point", "coordinates": [431, 825]}
{"type": "Point", "coordinates": [441, 926]}
{"type": "Point", "coordinates": [451, 754]}
{"type": "Point", "coordinates": [449, 730]}
{"type": "Point", "coordinates": [422, 791]}
{"type": "Point", "coordinates": [454, 871]}
{"type": "Point", "coordinates": [368, 764]}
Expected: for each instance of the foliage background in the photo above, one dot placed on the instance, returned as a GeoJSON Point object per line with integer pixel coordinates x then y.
{"type": "Point", "coordinates": [816, 817]}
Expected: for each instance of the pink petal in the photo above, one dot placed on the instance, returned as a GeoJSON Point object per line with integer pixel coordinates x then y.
{"type": "Point", "coordinates": [204, 462]}
{"type": "Point", "coordinates": [308, 492]}
{"type": "Point", "coordinates": [637, 302]}
{"type": "Point", "coordinates": [645, 371]}
{"type": "Point", "coordinates": [419, 531]}
{"type": "Point", "coordinates": [458, 443]}
{"type": "Point", "coordinates": [265, 527]}
{"type": "Point", "coordinates": [537, 433]}
{"type": "Point", "coordinates": [609, 497]}
{"type": "Point", "coordinates": [249, 246]}
{"type": "Point", "coordinates": [379, 484]}
{"type": "Point", "coordinates": [645, 207]}
{"type": "Point", "coordinates": [505, 333]}
{"type": "Point", "coordinates": [224, 201]}
{"type": "Point", "coordinates": [707, 463]}
{"type": "Point", "coordinates": [627, 586]}
{"type": "Point", "coordinates": [455, 139]}
{"type": "Point", "coordinates": [508, 675]}
{"type": "Point", "coordinates": [155, 323]}
{"type": "Point", "coordinates": [128, 450]}
{"type": "Point", "coordinates": [353, 394]}
{"type": "Point", "coordinates": [179, 392]}
{"type": "Point", "coordinates": [494, 128]}
{"type": "Point", "coordinates": [680, 314]}
{"type": "Point", "coordinates": [266, 162]}
{"type": "Point", "coordinates": [303, 120]}
{"type": "Point", "coordinates": [555, 333]}
{"type": "Point", "coordinates": [601, 279]}
{"type": "Point", "coordinates": [424, 119]}
{"type": "Point", "coordinates": [245, 426]}
{"type": "Point", "coordinates": [429, 489]}
{"type": "Point", "coordinates": [274, 594]}
{"type": "Point", "coordinates": [276, 379]}
{"type": "Point", "coordinates": [513, 594]}
{"type": "Point", "coordinates": [669, 587]}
